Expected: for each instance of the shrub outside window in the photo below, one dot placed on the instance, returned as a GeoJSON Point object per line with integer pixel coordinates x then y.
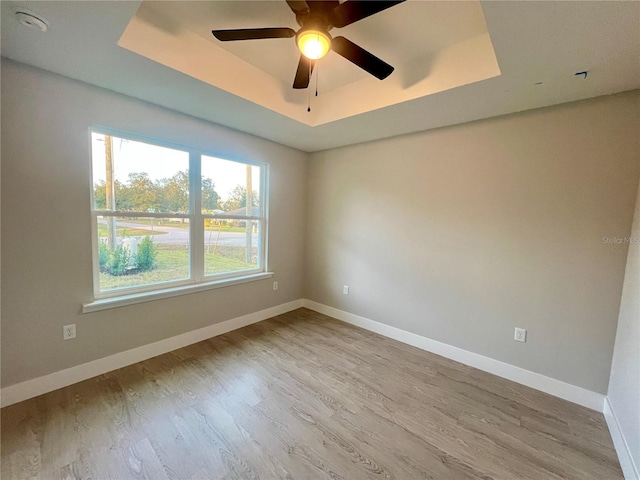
{"type": "Point", "coordinates": [166, 216]}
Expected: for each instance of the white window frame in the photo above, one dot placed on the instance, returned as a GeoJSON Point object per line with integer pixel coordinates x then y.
{"type": "Point", "coordinates": [197, 280]}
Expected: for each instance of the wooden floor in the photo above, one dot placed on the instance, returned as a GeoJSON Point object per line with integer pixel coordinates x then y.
{"type": "Point", "coordinates": [303, 396]}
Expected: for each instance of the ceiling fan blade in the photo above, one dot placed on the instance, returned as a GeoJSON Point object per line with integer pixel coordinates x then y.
{"type": "Point", "coordinates": [252, 34]}
{"type": "Point", "coordinates": [303, 73]}
{"type": "Point", "coordinates": [322, 5]}
{"type": "Point", "coordinates": [353, 10]}
{"type": "Point", "coordinates": [298, 6]}
{"type": "Point", "coordinates": [360, 57]}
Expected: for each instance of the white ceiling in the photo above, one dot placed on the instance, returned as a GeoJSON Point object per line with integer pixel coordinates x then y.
{"type": "Point", "coordinates": [539, 46]}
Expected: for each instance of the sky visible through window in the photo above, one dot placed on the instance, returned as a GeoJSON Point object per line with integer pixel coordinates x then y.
{"type": "Point", "coordinates": [130, 156]}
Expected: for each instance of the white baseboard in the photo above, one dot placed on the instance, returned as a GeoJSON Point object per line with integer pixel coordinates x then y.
{"type": "Point", "coordinates": [47, 383]}
{"type": "Point", "coordinates": [629, 468]}
{"type": "Point", "coordinates": [558, 388]}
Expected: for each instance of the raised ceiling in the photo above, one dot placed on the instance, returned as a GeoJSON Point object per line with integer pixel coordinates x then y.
{"type": "Point", "coordinates": [537, 47]}
{"type": "Point", "coordinates": [435, 46]}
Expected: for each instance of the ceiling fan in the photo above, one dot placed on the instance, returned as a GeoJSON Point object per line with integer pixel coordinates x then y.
{"type": "Point", "coordinates": [316, 18]}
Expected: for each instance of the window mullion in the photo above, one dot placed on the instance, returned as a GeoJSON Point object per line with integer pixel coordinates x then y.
{"type": "Point", "coordinates": [196, 221]}
{"type": "Point", "coordinates": [130, 214]}
{"type": "Point", "coordinates": [264, 225]}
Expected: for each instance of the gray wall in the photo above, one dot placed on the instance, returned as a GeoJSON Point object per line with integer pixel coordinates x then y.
{"type": "Point", "coordinates": [46, 248]}
{"type": "Point", "coordinates": [624, 384]}
{"type": "Point", "coordinates": [463, 233]}
{"type": "Point", "coordinates": [457, 234]}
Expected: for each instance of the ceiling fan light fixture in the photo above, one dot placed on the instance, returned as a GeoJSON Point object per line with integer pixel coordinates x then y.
{"type": "Point", "coordinates": [316, 18]}
{"type": "Point", "coordinates": [313, 44]}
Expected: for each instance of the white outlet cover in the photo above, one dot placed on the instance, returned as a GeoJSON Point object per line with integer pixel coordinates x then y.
{"type": "Point", "coordinates": [275, 285]}
{"type": "Point", "coordinates": [345, 289]}
{"type": "Point", "coordinates": [520, 335]}
{"type": "Point", "coordinates": [69, 332]}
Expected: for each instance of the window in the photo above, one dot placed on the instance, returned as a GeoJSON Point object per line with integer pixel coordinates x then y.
{"type": "Point", "coordinates": [167, 216]}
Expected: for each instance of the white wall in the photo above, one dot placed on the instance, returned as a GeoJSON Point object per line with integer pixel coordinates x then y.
{"type": "Point", "coordinates": [463, 233]}
{"type": "Point", "coordinates": [624, 384]}
{"type": "Point", "coordinates": [46, 247]}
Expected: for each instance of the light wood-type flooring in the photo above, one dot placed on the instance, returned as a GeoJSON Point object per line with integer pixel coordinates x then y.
{"type": "Point", "coordinates": [303, 396]}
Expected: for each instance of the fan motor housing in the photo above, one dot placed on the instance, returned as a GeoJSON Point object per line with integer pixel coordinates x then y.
{"type": "Point", "coordinates": [314, 21]}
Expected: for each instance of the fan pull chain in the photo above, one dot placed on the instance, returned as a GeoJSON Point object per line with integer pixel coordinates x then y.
{"type": "Point", "coordinates": [309, 91]}
{"type": "Point", "coordinates": [317, 68]}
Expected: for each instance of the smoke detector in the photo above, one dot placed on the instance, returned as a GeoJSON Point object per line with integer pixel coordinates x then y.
{"type": "Point", "coordinates": [31, 20]}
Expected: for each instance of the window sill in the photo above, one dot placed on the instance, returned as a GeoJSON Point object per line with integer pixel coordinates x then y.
{"type": "Point", "coordinates": [121, 301]}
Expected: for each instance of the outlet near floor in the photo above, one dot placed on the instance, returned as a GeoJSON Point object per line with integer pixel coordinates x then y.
{"type": "Point", "coordinates": [520, 335]}
{"type": "Point", "coordinates": [69, 332]}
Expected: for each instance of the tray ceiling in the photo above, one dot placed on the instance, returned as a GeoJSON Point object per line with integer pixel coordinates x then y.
{"type": "Point", "coordinates": [434, 46]}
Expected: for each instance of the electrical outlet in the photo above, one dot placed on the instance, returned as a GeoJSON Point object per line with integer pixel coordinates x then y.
{"type": "Point", "coordinates": [275, 286]}
{"type": "Point", "coordinates": [520, 335]}
{"type": "Point", "coordinates": [345, 289]}
{"type": "Point", "coordinates": [69, 332]}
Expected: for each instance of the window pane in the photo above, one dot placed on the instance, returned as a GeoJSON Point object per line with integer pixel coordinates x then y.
{"type": "Point", "coordinates": [135, 252]}
{"type": "Point", "coordinates": [138, 177]}
{"type": "Point", "coordinates": [224, 187]}
{"type": "Point", "coordinates": [230, 245]}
